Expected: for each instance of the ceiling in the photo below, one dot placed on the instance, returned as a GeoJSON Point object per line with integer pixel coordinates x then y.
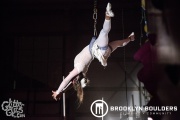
{"type": "Point", "coordinates": [44, 16]}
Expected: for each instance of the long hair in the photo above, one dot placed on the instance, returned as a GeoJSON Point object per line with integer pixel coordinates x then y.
{"type": "Point", "coordinates": [77, 84]}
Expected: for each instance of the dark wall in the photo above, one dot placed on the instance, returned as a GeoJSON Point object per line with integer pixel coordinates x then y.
{"type": "Point", "coordinates": [40, 40]}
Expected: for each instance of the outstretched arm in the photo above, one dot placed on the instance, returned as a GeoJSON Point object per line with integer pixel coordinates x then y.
{"type": "Point", "coordinates": [56, 94]}
{"type": "Point", "coordinates": [121, 43]}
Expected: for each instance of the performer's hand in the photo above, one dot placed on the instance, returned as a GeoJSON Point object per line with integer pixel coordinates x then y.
{"type": "Point", "coordinates": [56, 96]}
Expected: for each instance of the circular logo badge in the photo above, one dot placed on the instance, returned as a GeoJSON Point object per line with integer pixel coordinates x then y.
{"type": "Point", "coordinates": [99, 108]}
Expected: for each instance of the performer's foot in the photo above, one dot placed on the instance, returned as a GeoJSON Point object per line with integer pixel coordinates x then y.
{"type": "Point", "coordinates": [131, 36]}
{"type": "Point", "coordinates": [109, 12]}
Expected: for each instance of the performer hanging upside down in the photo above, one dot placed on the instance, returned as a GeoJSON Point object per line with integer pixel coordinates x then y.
{"type": "Point", "coordinates": [98, 48]}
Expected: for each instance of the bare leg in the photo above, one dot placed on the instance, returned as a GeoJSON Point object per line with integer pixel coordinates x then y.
{"type": "Point", "coordinates": [120, 43]}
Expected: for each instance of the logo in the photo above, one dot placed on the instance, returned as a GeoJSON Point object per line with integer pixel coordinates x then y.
{"type": "Point", "coordinates": [13, 108]}
{"type": "Point", "coordinates": [99, 108]}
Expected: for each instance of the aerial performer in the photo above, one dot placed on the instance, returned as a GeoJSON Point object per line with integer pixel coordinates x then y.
{"type": "Point", "coordinates": [100, 49]}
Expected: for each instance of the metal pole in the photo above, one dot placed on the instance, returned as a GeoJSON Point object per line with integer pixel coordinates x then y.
{"type": "Point", "coordinates": [133, 101]}
{"type": "Point", "coordinates": [134, 112]}
{"type": "Point", "coordinates": [140, 97]}
{"type": "Point", "coordinates": [63, 72]}
{"type": "Point", "coordinates": [64, 104]}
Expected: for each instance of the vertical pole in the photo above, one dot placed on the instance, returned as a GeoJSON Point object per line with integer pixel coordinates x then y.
{"type": "Point", "coordinates": [63, 73]}
{"type": "Point", "coordinates": [64, 104]}
{"type": "Point", "coordinates": [133, 101]}
{"type": "Point", "coordinates": [140, 97]}
{"type": "Point", "coordinates": [134, 112]}
{"type": "Point", "coordinates": [102, 110]}
{"type": "Point", "coordinates": [126, 87]}
{"type": "Point", "coordinates": [125, 68]}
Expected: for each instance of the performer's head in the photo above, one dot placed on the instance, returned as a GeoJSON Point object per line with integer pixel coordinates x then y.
{"type": "Point", "coordinates": [79, 83]}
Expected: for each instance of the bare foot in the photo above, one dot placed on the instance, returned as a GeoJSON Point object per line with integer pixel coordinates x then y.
{"type": "Point", "coordinates": [131, 36]}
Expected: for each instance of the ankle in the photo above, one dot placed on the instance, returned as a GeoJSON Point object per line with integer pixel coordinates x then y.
{"type": "Point", "coordinates": [131, 37]}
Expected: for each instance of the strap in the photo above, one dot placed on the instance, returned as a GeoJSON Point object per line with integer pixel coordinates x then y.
{"type": "Point", "coordinates": [103, 48]}
{"type": "Point", "coordinates": [91, 44]}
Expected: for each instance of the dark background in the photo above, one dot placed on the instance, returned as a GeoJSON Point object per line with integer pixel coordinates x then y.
{"type": "Point", "coordinates": [39, 40]}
